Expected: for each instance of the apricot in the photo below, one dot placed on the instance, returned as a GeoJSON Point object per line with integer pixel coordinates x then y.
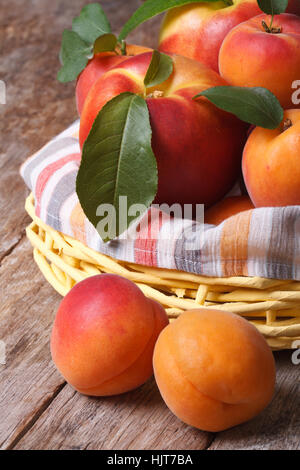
{"type": "Point", "coordinates": [198, 30]}
{"type": "Point", "coordinates": [100, 64]}
{"type": "Point", "coordinates": [250, 56]}
{"type": "Point", "coordinates": [226, 208]}
{"type": "Point", "coordinates": [214, 369]}
{"type": "Point", "coordinates": [271, 163]}
{"type": "Point", "coordinates": [104, 334]}
{"type": "Point", "coordinates": [197, 146]}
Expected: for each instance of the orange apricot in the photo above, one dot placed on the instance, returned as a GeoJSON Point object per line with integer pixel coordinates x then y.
{"type": "Point", "coordinates": [271, 163]}
{"type": "Point", "coordinates": [226, 208]}
{"type": "Point", "coordinates": [250, 56]}
{"type": "Point", "coordinates": [214, 369]}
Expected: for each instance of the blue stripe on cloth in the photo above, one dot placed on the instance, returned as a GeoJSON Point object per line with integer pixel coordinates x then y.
{"type": "Point", "coordinates": [50, 149]}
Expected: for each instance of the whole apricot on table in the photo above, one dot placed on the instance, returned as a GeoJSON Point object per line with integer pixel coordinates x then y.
{"type": "Point", "coordinates": [226, 208]}
{"type": "Point", "coordinates": [104, 334]}
{"type": "Point", "coordinates": [198, 30]}
{"type": "Point", "coordinates": [100, 64]}
{"type": "Point", "coordinates": [197, 146]}
{"type": "Point", "coordinates": [252, 56]}
{"type": "Point", "coordinates": [214, 369]}
{"type": "Point", "coordinates": [271, 163]}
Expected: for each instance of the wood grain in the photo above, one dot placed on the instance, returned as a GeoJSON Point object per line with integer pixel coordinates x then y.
{"type": "Point", "coordinates": [28, 380]}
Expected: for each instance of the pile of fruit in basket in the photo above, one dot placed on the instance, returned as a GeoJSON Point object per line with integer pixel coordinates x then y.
{"type": "Point", "coordinates": [219, 100]}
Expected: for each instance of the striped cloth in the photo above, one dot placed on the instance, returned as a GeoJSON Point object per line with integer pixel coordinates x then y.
{"type": "Point", "coordinates": [261, 242]}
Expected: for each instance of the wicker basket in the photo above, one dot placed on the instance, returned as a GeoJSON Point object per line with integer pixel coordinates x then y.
{"type": "Point", "coordinates": [273, 306]}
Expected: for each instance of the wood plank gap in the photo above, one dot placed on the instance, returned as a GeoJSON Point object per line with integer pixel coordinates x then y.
{"type": "Point", "coordinates": [211, 441]}
{"type": "Point", "coordinates": [10, 250]}
{"type": "Point", "coordinates": [36, 416]}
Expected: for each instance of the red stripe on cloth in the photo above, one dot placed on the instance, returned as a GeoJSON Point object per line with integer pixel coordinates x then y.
{"type": "Point", "coordinates": [145, 247]}
{"type": "Point", "coordinates": [46, 174]}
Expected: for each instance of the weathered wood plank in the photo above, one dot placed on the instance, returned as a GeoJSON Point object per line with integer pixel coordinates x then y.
{"type": "Point", "coordinates": [136, 420]}
{"type": "Point", "coordinates": [28, 380]}
{"type": "Point", "coordinates": [139, 420]}
{"type": "Point", "coordinates": [278, 427]}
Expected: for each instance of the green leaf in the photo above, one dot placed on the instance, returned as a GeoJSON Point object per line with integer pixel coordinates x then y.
{"type": "Point", "coordinates": [273, 7]}
{"type": "Point", "coordinates": [105, 43]}
{"type": "Point", "coordinates": [149, 9]}
{"type": "Point", "coordinates": [256, 105]}
{"type": "Point", "coordinates": [91, 23]}
{"type": "Point", "coordinates": [74, 55]}
{"type": "Point", "coordinates": [160, 68]}
{"type": "Point", "coordinates": [78, 44]}
{"type": "Point", "coordinates": [117, 160]}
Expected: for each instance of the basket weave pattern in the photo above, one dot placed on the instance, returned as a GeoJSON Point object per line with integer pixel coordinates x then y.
{"type": "Point", "coordinates": [273, 306]}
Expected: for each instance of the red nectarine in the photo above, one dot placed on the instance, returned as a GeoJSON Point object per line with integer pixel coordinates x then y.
{"type": "Point", "coordinates": [250, 56]}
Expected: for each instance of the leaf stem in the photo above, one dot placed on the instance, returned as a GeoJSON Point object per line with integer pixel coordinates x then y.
{"type": "Point", "coordinates": [123, 47]}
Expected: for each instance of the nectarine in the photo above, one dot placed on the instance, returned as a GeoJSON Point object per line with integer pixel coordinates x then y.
{"type": "Point", "coordinates": [104, 334]}
{"type": "Point", "coordinates": [271, 163]}
{"type": "Point", "coordinates": [198, 30]}
{"type": "Point", "coordinates": [214, 369]}
{"type": "Point", "coordinates": [250, 56]}
{"type": "Point", "coordinates": [197, 146]}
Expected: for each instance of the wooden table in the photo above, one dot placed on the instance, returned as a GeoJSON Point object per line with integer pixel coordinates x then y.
{"type": "Point", "coordinates": [38, 410]}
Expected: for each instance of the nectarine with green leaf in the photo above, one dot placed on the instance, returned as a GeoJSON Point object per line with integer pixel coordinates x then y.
{"type": "Point", "coordinates": [100, 64]}
{"type": "Point", "coordinates": [197, 146]}
{"type": "Point", "coordinates": [198, 30]}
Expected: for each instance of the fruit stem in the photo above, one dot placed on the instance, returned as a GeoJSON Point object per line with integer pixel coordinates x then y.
{"type": "Point", "coordinates": [265, 26]}
{"type": "Point", "coordinates": [229, 3]}
{"type": "Point", "coordinates": [156, 94]}
{"type": "Point", "coordinates": [270, 29]}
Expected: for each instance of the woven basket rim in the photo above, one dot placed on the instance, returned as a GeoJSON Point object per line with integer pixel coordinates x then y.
{"type": "Point", "coordinates": [273, 306]}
